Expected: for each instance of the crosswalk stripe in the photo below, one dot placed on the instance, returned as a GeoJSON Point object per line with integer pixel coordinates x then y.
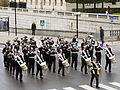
{"type": "Point", "coordinates": [87, 87]}
{"type": "Point", "coordinates": [115, 84]}
{"type": "Point", "coordinates": [106, 87]}
{"type": "Point", "coordinates": [69, 88]}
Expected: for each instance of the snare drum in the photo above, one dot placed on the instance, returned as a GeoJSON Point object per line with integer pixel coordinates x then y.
{"type": "Point", "coordinates": [44, 66]}
{"type": "Point", "coordinates": [23, 66]}
{"type": "Point", "coordinates": [88, 61]}
{"type": "Point", "coordinates": [65, 63]}
{"type": "Point", "coordinates": [112, 59]}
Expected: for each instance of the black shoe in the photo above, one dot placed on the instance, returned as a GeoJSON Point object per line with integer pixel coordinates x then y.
{"type": "Point", "coordinates": [33, 74]}
{"type": "Point", "coordinates": [41, 77]}
{"type": "Point", "coordinates": [21, 80]}
{"type": "Point", "coordinates": [86, 73]}
{"type": "Point", "coordinates": [109, 70]}
{"type": "Point", "coordinates": [63, 75]}
{"type": "Point", "coordinates": [91, 85]}
{"type": "Point", "coordinates": [97, 87]}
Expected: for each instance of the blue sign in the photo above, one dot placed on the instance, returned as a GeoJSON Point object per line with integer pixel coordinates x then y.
{"type": "Point", "coordinates": [42, 22]}
{"type": "Point", "coordinates": [112, 17]}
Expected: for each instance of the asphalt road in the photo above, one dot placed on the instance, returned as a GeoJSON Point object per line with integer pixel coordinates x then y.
{"type": "Point", "coordinates": [75, 80]}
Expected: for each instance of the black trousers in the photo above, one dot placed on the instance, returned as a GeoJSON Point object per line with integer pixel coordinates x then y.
{"type": "Point", "coordinates": [12, 66]}
{"type": "Point", "coordinates": [84, 64]}
{"type": "Point", "coordinates": [31, 65]}
{"type": "Point", "coordinates": [26, 60]}
{"type": "Point", "coordinates": [19, 72]}
{"type": "Point", "coordinates": [74, 60]}
{"type": "Point", "coordinates": [91, 55]}
{"type": "Point", "coordinates": [52, 61]}
{"type": "Point", "coordinates": [102, 39]}
{"type": "Point", "coordinates": [39, 69]}
{"type": "Point", "coordinates": [97, 79]}
{"type": "Point", "coordinates": [108, 62]}
{"type": "Point", "coordinates": [61, 67]}
{"type": "Point", "coordinates": [98, 56]}
{"type": "Point", "coordinates": [5, 61]}
{"type": "Point", "coordinates": [33, 32]}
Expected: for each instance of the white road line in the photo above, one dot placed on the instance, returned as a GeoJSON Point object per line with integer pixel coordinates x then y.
{"type": "Point", "coordinates": [69, 88]}
{"type": "Point", "coordinates": [1, 48]}
{"type": "Point", "coordinates": [115, 84]}
{"type": "Point", "coordinates": [106, 87]}
{"type": "Point", "coordinates": [52, 89]}
{"type": "Point", "coordinates": [87, 87]}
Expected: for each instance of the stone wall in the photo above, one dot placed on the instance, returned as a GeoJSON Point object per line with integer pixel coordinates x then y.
{"type": "Point", "coordinates": [60, 23]}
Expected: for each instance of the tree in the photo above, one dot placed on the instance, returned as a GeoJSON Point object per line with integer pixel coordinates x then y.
{"type": "Point", "coordinates": [4, 3]}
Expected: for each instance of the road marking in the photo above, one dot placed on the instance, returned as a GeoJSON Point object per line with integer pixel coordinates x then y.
{"type": "Point", "coordinates": [106, 87]}
{"type": "Point", "coordinates": [69, 88]}
{"type": "Point", "coordinates": [1, 48]}
{"type": "Point", "coordinates": [87, 87]}
{"type": "Point", "coordinates": [52, 89]}
{"type": "Point", "coordinates": [115, 84]}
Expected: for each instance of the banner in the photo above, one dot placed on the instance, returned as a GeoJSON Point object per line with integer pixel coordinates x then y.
{"type": "Point", "coordinates": [4, 23]}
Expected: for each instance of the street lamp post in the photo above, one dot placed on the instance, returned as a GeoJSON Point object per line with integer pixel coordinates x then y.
{"type": "Point", "coordinates": [15, 19]}
{"type": "Point", "coordinates": [77, 17]}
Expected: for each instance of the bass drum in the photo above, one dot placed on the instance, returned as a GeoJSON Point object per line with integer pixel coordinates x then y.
{"type": "Point", "coordinates": [88, 61]}
{"type": "Point", "coordinates": [44, 66]}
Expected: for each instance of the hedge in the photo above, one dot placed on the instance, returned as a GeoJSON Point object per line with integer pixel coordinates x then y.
{"type": "Point", "coordinates": [98, 10]}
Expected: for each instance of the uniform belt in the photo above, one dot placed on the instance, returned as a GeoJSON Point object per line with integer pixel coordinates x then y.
{"type": "Point", "coordinates": [94, 68]}
{"type": "Point", "coordinates": [98, 51]}
{"type": "Point", "coordinates": [31, 57]}
{"type": "Point", "coordinates": [52, 55]}
{"type": "Point", "coordinates": [74, 52]}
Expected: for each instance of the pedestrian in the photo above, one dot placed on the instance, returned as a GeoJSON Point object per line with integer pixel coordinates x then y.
{"type": "Point", "coordinates": [102, 35]}
{"type": "Point", "coordinates": [33, 28]}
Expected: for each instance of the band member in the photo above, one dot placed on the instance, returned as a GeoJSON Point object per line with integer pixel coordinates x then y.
{"type": "Point", "coordinates": [95, 72]}
{"type": "Point", "coordinates": [19, 60]}
{"type": "Point", "coordinates": [39, 68]}
{"type": "Point", "coordinates": [16, 44]}
{"type": "Point", "coordinates": [91, 49]}
{"type": "Point", "coordinates": [108, 53]}
{"type": "Point", "coordinates": [98, 52]}
{"type": "Point", "coordinates": [75, 40]}
{"type": "Point", "coordinates": [32, 43]}
{"type": "Point", "coordinates": [84, 55]}
{"type": "Point", "coordinates": [5, 56]}
{"type": "Point", "coordinates": [9, 57]}
{"type": "Point", "coordinates": [82, 44]}
{"type": "Point", "coordinates": [25, 54]}
{"type": "Point", "coordinates": [61, 58]}
{"type": "Point", "coordinates": [31, 61]}
{"type": "Point", "coordinates": [52, 59]}
{"type": "Point", "coordinates": [74, 50]}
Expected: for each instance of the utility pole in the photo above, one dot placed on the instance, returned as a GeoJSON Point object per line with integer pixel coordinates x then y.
{"type": "Point", "coordinates": [15, 19]}
{"type": "Point", "coordinates": [77, 17]}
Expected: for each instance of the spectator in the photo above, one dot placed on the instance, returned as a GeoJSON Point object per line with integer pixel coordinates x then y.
{"type": "Point", "coordinates": [33, 28]}
{"type": "Point", "coordinates": [102, 35]}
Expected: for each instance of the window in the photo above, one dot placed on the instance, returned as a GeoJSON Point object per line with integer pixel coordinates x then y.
{"type": "Point", "coordinates": [44, 2]}
{"type": "Point", "coordinates": [61, 2]}
{"type": "Point", "coordinates": [55, 2]}
{"type": "Point", "coordinates": [31, 2]}
{"type": "Point", "coordinates": [49, 2]}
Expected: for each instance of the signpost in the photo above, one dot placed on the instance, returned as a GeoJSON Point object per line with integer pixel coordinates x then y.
{"type": "Point", "coordinates": [42, 23]}
{"type": "Point", "coordinates": [112, 18]}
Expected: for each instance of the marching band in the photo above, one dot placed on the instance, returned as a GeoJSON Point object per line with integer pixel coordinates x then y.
{"type": "Point", "coordinates": [21, 55]}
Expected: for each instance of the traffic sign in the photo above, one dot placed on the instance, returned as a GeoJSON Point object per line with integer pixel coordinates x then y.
{"type": "Point", "coordinates": [42, 22]}
{"type": "Point", "coordinates": [112, 17]}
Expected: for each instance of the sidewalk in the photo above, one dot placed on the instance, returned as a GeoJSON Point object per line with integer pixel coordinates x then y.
{"type": "Point", "coordinates": [4, 37]}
